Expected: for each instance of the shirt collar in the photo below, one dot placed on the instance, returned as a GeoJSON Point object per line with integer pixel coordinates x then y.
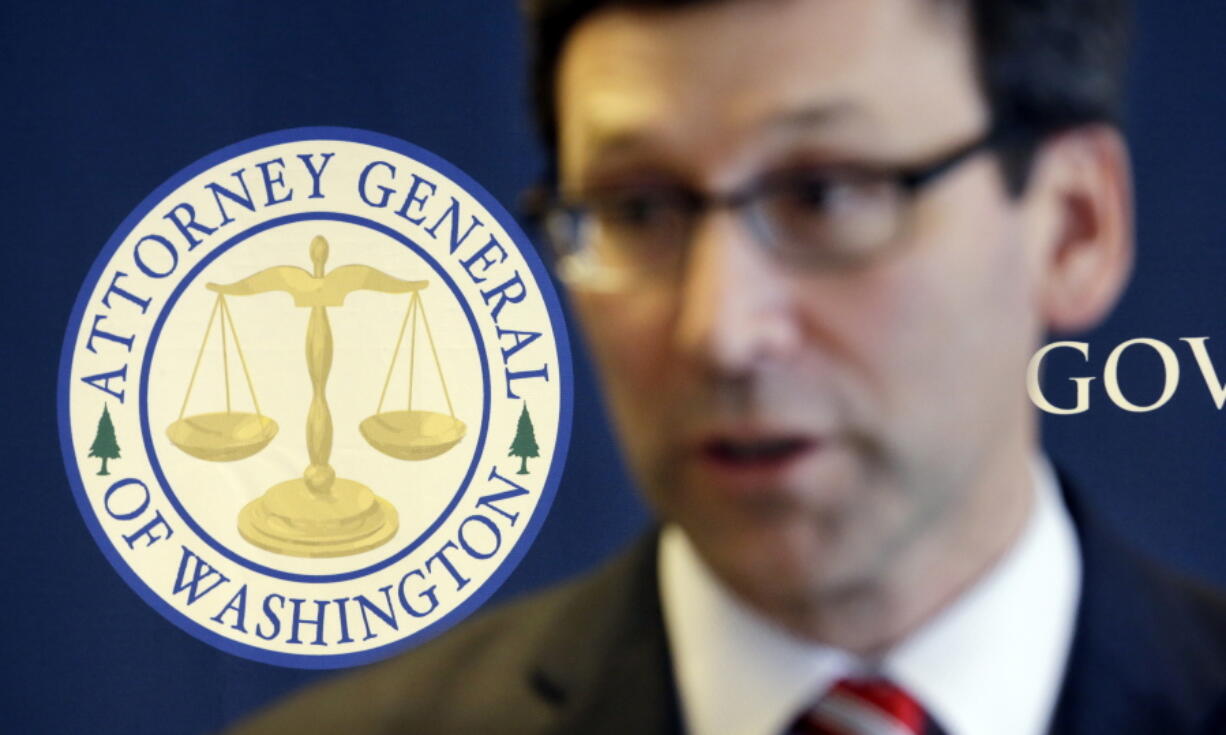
{"type": "Point", "coordinates": [991, 662]}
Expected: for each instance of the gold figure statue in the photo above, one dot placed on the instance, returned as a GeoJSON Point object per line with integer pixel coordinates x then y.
{"type": "Point", "coordinates": [319, 514]}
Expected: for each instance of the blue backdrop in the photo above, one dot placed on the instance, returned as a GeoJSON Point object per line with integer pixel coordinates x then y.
{"type": "Point", "coordinates": [107, 102]}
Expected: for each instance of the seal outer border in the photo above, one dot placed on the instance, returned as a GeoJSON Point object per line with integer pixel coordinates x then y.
{"type": "Point", "coordinates": [560, 449]}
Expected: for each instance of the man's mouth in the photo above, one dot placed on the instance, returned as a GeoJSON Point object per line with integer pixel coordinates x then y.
{"type": "Point", "coordinates": [762, 453]}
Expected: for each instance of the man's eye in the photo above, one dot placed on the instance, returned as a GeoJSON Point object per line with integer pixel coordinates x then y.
{"type": "Point", "coordinates": [809, 193]}
{"type": "Point", "coordinates": [637, 210]}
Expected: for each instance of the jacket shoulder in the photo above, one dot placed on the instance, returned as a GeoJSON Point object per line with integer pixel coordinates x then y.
{"type": "Point", "coordinates": [473, 677]}
{"type": "Point", "coordinates": [1150, 650]}
{"type": "Point", "coordinates": [1192, 616]}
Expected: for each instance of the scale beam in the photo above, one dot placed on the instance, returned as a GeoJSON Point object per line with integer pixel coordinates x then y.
{"type": "Point", "coordinates": [309, 290]}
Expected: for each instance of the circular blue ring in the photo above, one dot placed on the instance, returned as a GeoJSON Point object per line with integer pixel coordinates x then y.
{"type": "Point", "coordinates": [561, 444]}
{"type": "Point", "coordinates": [156, 332]}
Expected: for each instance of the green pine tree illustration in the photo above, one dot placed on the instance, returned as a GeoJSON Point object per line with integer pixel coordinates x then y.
{"type": "Point", "coordinates": [105, 447]}
{"type": "Point", "coordinates": [524, 445]}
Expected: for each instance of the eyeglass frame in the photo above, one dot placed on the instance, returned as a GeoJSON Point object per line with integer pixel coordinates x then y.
{"type": "Point", "coordinates": [545, 205]}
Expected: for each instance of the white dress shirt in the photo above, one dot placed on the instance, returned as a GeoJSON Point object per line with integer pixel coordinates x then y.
{"type": "Point", "coordinates": [990, 663]}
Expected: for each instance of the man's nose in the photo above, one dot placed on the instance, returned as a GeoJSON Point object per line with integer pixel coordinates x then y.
{"type": "Point", "coordinates": [735, 300]}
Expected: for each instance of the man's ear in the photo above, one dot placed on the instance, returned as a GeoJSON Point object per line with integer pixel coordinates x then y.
{"type": "Point", "coordinates": [1081, 191]}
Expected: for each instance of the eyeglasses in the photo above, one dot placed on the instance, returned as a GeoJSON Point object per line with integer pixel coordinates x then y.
{"type": "Point", "coordinates": [810, 217]}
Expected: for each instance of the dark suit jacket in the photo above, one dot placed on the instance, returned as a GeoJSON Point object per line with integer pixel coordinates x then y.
{"type": "Point", "coordinates": [591, 657]}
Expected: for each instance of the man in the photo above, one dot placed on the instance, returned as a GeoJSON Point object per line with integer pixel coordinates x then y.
{"type": "Point", "coordinates": [813, 244]}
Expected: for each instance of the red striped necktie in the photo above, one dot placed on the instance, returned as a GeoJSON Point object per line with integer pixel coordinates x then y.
{"type": "Point", "coordinates": [866, 707]}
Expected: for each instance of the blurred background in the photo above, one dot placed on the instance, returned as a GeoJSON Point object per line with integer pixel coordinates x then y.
{"type": "Point", "coordinates": [108, 100]}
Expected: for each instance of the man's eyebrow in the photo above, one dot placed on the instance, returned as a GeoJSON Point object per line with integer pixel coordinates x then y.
{"type": "Point", "coordinates": [814, 116]}
{"type": "Point", "coordinates": [621, 141]}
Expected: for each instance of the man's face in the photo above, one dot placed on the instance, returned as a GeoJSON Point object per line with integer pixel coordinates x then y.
{"type": "Point", "coordinates": [808, 428]}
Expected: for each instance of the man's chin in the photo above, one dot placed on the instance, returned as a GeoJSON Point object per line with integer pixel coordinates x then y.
{"type": "Point", "coordinates": [780, 562]}
{"type": "Point", "coordinates": [787, 539]}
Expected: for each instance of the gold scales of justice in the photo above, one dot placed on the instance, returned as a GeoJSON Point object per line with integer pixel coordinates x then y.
{"type": "Point", "coordinates": [319, 514]}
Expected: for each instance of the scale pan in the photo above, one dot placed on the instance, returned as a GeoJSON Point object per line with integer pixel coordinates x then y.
{"type": "Point", "coordinates": [412, 435]}
{"type": "Point", "coordinates": [222, 437]}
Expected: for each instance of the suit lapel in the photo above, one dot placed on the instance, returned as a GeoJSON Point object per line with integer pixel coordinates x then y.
{"type": "Point", "coordinates": [606, 664]}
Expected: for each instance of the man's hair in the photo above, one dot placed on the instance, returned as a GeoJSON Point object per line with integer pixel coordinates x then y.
{"type": "Point", "coordinates": [1044, 66]}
